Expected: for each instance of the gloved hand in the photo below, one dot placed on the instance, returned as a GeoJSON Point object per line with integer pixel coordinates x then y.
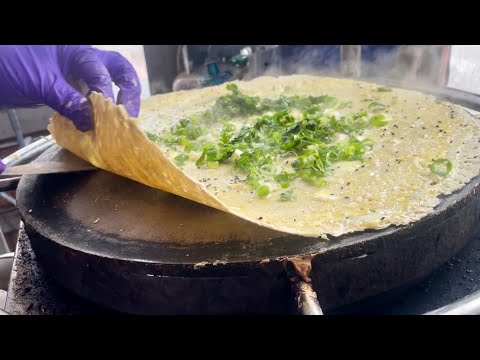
{"type": "Point", "coordinates": [43, 74]}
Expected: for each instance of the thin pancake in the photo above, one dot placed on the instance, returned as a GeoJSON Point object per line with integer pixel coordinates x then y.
{"type": "Point", "coordinates": [393, 186]}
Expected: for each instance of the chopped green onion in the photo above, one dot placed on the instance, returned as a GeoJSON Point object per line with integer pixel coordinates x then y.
{"type": "Point", "coordinates": [232, 87]}
{"type": "Point", "coordinates": [314, 180]}
{"type": "Point", "coordinates": [345, 104]}
{"type": "Point", "coordinates": [192, 146]}
{"type": "Point", "coordinates": [212, 164]}
{"type": "Point", "coordinates": [288, 196]}
{"type": "Point", "coordinates": [252, 181]}
{"type": "Point", "coordinates": [284, 179]}
{"type": "Point", "coordinates": [378, 120]}
{"type": "Point", "coordinates": [276, 133]}
{"type": "Point", "coordinates": [180, 159]}
{"type": "Point", "coordinates": [183, 141]}
{"type": "Point", "coordinates": [441, 167]}
{"type": "Point", "coordinates": [263, 191]}
{"type": "Point", "coordinates": [188, 128]}
{"type": "Point", "coordinates": [229, 128]}
{"type": "Point", "coordinates": [153, 137]}
{"type": "Point", "coordinates": [368, 142]}
{"type": "Point", "coordinates": [376, 106]}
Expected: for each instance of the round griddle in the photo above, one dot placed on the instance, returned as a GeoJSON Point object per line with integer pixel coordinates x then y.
{"type": "Point", "coordinates": [140, 250]}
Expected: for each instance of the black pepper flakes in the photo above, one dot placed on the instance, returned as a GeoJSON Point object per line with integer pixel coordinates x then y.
{"type": "Point", "coordinates": [260, 218]}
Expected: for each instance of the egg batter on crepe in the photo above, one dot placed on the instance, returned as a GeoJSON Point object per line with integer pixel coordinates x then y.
{"type": "Point", "coordinates": [305, 155]}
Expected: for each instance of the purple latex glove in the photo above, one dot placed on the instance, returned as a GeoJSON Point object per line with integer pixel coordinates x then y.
{"type": "Point", "coordinates": [43, 74]}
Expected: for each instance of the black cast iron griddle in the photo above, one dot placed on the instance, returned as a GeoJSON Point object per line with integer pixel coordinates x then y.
{"type": "Point", "coordinates": [111, 240]}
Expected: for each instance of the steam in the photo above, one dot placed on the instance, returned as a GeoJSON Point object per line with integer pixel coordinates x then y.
{"type": "Point", "coordinates": [159, 86]}
{"type": "Point", "coordinates": [420, 67]}
{"type": "Point", "coordinates": [407, 65]}
{"type": "Point", "coordinates": [417, 67]}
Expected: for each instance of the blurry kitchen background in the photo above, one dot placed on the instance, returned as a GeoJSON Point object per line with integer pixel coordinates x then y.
{"type": "Point", "coordinates": [166, 68]}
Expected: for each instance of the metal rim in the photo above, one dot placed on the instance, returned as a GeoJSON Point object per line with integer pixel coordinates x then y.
{"type": "Point", "coordinates": [152, 252]}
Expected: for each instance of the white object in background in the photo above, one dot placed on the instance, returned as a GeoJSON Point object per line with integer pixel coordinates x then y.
{"type": "Point", "coordinates": [464, 69]}
{"type": "Point", "coordinates": [136, 55]}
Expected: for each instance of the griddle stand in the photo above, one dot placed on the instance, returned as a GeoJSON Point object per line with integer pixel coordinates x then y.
{"type": "Point", "coordinates": [33, 292]}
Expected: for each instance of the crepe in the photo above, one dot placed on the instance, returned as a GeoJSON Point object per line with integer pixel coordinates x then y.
{"type": "Point", "coordinates": [392, 185]}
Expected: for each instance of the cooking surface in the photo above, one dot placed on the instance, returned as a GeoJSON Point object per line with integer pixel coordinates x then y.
{"type": "Point", "coordinates": [437, 241]}
{"type": "Point", "coordinates": [400, 192]}
{"type": "Point", "coordinates": [32, 291]}
{"type": "Point", "coordinates": [137, 276]}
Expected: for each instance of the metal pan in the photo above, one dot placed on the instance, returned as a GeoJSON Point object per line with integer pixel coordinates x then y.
{"type": "Point", "coordinates": [115, 242]}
